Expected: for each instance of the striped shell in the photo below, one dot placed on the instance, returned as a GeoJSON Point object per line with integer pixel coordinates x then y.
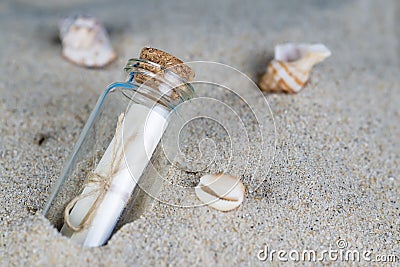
{"type": "Point", "coordinates": [291, 67]}
{"type": "Point", "coordinates": [85, 42]}
{"type": "Point", "coordinates": [221, 191]}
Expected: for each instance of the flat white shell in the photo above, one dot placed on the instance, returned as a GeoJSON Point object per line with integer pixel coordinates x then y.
{"type": "Point", "coordinates": [85, 41]}
{"type": "Point", "coordinates": [221, 191]}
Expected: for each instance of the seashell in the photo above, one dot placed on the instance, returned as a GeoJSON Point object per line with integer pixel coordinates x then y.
{"type": "Point", "coordinates": [85, 41]}
{"type": "Point", "coordinates": [291, 67]}
{"type": "Point", "coordinates": [221, 191]}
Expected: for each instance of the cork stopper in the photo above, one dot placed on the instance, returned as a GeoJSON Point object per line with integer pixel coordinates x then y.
{"type": "Point", "coordinates": [167, 61]}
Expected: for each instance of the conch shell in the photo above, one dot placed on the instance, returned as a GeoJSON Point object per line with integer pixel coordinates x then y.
{"type": "Point", "coordinates": [85, 41]}
{"type": "Point", "coordinates": [290, 70]}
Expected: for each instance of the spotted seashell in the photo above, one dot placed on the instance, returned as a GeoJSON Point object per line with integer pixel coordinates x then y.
{"type": "Point", "coordinates": [221, 191]}
{"type": "Point", "coordinates": [290, 70]}
{"type": "Point", "coordinates": [85, 41]}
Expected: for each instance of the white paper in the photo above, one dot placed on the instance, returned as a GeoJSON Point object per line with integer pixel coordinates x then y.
{"type": "Point", "coordinates": [142, 131]}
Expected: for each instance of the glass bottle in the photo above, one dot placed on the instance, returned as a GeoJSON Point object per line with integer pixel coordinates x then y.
{"type": "Point", "coordinates": [112, 173]}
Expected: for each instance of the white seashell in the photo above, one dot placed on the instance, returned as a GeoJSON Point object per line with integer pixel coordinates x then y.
{"type": "Point", "coordinates": [221, 191]}
{"type": "Point", "coordinates": [291, 67]}
{"type": "Point", "coordinates": [85, 42]}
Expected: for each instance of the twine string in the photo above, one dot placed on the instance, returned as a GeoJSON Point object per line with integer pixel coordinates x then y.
{"type": "Point", "coordinates": [102, 182]}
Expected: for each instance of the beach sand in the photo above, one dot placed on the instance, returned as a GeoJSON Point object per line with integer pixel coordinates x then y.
{"type": "Point", "coordinates": [335, 172]}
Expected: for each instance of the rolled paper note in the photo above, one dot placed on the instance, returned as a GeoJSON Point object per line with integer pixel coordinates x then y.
{"type": "Point", "coordinates": [121, 166]}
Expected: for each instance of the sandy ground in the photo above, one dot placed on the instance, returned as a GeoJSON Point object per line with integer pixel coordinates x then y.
{"type": "Point", "coordinates": [335, 174]}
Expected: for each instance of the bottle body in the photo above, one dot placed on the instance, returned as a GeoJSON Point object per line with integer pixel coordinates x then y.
{"type": "Point", "coordinates": [109, 179]}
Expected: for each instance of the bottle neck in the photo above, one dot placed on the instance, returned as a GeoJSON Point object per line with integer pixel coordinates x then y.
{"type": "Point", "coordinates": [163, 85]}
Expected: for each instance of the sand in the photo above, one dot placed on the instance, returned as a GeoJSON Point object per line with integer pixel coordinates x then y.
{"type": "Point", "coordinates": [334, 175]}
